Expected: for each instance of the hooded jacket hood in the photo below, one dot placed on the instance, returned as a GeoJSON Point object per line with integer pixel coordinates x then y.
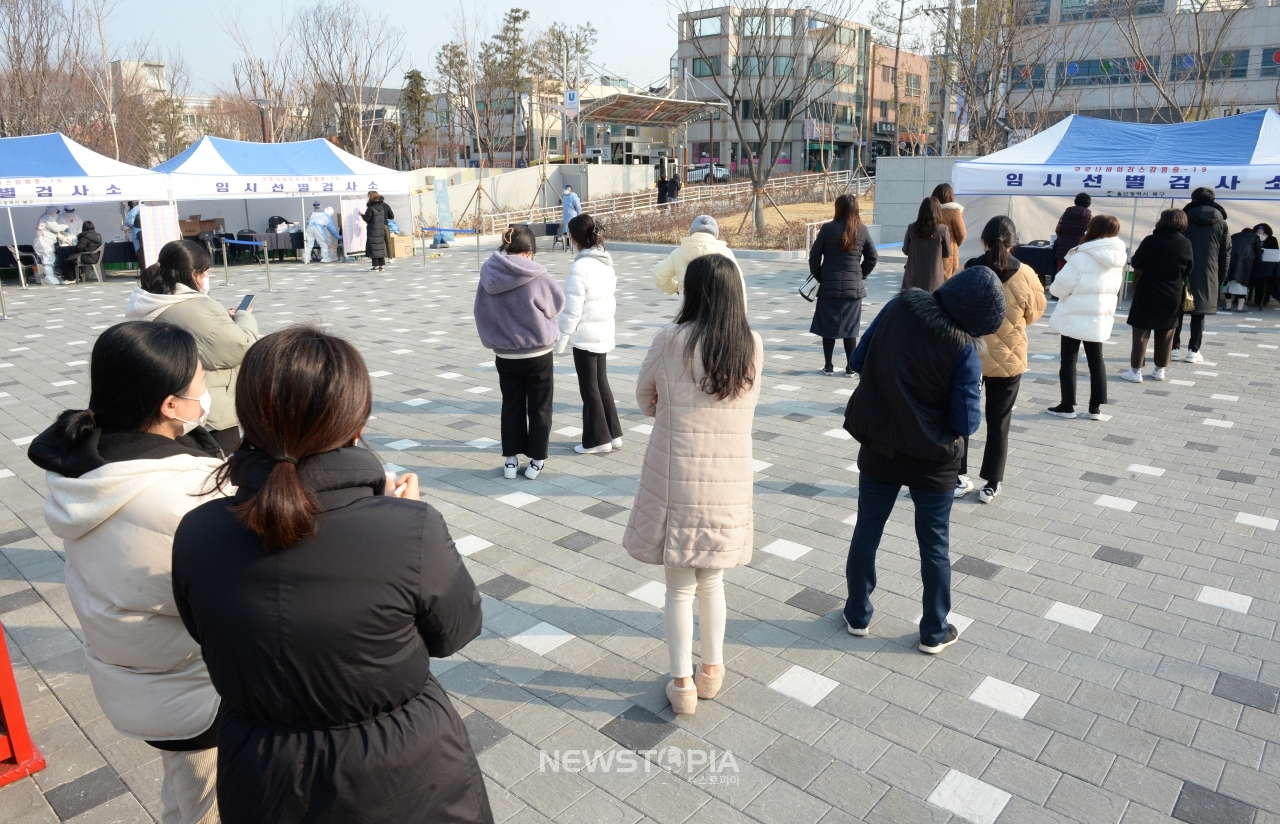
{"type": "Point", "coordinates": [1206, 214]}
{"type": "Point", "coordinates": [503, 272]}
{"type": "Point", "coordinates": [974, 300]}
{"type": "Point", "coordinates": [952, 205]}
{"type": "Point", "coordinates": [598, 253]}
{"type": "Point", "coordinates": [144, 305]}
{"type": "Point", "coordinates": [1108, 251]}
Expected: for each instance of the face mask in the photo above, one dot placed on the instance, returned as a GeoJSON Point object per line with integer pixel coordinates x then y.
{"type": "Point", "coordinates": [204, 289]}
{"type": "Point", "coordinates": [1262, 235]}
{"type": "Point", "coordinates": [206, 403]}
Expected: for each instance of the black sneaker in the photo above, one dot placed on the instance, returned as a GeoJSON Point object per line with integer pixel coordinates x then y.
{"type": "Point", "coordinates": [828, 370]}
{"type": "Point", "coordinates": [952, 636]}
{"type": "Point", "coordinates": [1062, 410]}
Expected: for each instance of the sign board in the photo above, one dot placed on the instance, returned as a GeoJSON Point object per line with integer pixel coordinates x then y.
{"type": "Point", "coordinates": [571, 103]}
{"type": "Point", "coordinates": [159, 226]}
{"type": "Point", "coordinates": [353, 229]}
{"type": "Point", "coordinates": [444, 214]}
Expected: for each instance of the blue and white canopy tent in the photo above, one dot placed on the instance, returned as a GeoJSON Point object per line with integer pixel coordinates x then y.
{"type": "Point", "coordinates": [1132, 170]}
{"type": "Point", "coordinates": [215, 172]}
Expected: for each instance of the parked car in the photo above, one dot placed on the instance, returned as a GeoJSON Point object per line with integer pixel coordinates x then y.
{"type": "Point", "coordinates": [698, 174]}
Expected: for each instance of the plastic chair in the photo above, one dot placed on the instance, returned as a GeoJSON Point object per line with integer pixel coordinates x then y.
{"type": "Point", "coordinates": [18, 258]}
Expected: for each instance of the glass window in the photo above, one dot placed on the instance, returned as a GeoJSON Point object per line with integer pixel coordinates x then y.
{"type": "Point", "coordinates": [706, 67]}
{"type": "Point", "coordinates": [1089, 9]}
{"type": "Point", "coordinates": [1034, 11]}
{"type": "Point", "coordinates": [1271, 61]}
{"type": "Point", "coordinates": [847, 37]}
{"type": "Point", "coordinates": [784, 66]}
{"type": "Point", "coordinates": [752, 66]}
{"type": "Point", "coordinates": [782, 110]}
{"type": "Point", "coordinates": [1027, 77]}
{"type": "Point", "coordinates": [1227, 65]}
{"type": "Point", "coordinates": [706, 27]}
{"type": "Point", "coordinates": [822, 70]}
{"type": "Point", "coordinates": [884, 109]}
{"type": "Point", "coordinates": [783, 26]}
{"type": "Point", "coordinates": [751, 25]}
{"type": "Point", "coordinates": [1193, 6]}
{"type": "Point", "coordinates": [913, 85]}
{"type": "Point", "coordinates": [846, 74]}
{"type": "Point", "coordinates": [1107, 71]}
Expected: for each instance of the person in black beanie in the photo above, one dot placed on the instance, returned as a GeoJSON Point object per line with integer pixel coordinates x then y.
{"type": "Point", "coordinates": [916, 402]}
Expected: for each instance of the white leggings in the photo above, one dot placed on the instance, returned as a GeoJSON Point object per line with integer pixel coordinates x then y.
{"type": "Point", "coordinates": [682, 584]}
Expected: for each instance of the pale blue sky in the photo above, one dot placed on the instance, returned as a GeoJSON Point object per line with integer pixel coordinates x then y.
{"type": "Point", "coordinates": [636, 38]}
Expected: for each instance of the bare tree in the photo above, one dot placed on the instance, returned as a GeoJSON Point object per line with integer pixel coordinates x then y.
{"type": "Point", "coordinates": [36, 59]}
{"type": "Point", "coordinates": [558, 60]}
{"type": "Point", "coordinates": [781, 59]}
{"type": "Point", "coordinates": [351, 51]}
{"type": "Point", "coordinates": [93, 56]}
{"type": "Point", "coordinates": [273, 75]}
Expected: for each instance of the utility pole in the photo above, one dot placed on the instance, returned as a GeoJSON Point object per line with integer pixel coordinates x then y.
{"type": "Point", "coordinates": [897, 56]}
{"type": "Point", "coordinates": [945, 86]}
{"type": "Point", "coordinates": [564, 115]}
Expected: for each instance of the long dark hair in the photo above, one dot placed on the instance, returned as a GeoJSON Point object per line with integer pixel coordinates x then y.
{"type": "Point", "coordinates": [300, 393]}
{"type": "Point", "coordinates": [179, 261]}
{"type": "Point", "coordinates": [585, 232]}
{"type": "Point", "coordinates": [944, 193]}
{"type": "Point", "coordinates": [927, 218]}
{"type": "Point", "coordinates": [1172, 220]}
{"type": "Point", "coordinates": [518, 239]}
{"type": "Point", "coordinates": [715, 308]}
{"type": "Point", "coordinates": [847, 210]}
{"type": "Point", "coordinates": [1101, 226]}
{"type": "Point", "coordinates": [135, 365]}
{"type": "Point", "coordinates": [1000, 236]}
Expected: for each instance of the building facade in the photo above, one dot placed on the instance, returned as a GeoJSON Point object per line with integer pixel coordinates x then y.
{"type": "Point", "coordinates": [742, 57]}
{"type": "Point", "coordinates": [904, 120]}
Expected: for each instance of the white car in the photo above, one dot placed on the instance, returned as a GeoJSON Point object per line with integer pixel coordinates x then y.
{"type": "Point", "coordinates": [698, 174]}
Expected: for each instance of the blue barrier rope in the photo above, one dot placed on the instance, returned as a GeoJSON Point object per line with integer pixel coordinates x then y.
{"type": "Point", "coordinates": [444, 229]}
{"type": "Point", "coordinates": [244, 242]}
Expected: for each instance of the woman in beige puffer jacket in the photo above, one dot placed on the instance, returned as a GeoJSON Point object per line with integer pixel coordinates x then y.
{"type": "Point", "coordinates": [953, 218]}
{"type": "Point", "coordinates": [1004, 357]}
{"type": "Point", "coordinates": [693, 510]}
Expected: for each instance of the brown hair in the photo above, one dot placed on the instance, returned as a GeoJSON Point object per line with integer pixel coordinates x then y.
{"type": "Point", "coordinates": [300, 392]}
{"type": "Point", "coordinates": [944, 193]}
{"type": "Point", "coordinates": [517, 240]}
{"type": "Point", "coordinates": [928, 218]}
{"type": "Point", "coordinates": [374, 197]}
{"type": "Point", "coordinates": [847, 210]}
{"type": "Point", "coordinates": [585, 232]}
{"type": "Point", "coordinates": [1101, 226]}
{"type": "Point", "coordinates": [1172, 220]}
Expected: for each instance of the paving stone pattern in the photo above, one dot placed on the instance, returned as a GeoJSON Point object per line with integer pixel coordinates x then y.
{"type": "Point", "coordinates": [1119, 661]}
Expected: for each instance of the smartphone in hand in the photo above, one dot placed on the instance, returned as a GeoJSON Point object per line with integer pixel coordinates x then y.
{"type": "Point", "coordinates": [246, 303]}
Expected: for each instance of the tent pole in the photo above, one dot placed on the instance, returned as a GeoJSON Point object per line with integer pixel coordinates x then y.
{"type": "Point", "coordinates": [306, 258]}
{"type": "Point", "coordinates": [266, 261]}
{"type": "Point", "coordinates": [22, 278]}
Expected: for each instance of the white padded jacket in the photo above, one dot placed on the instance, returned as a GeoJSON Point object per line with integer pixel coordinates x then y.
{"type": "Point", "coordinates": [1087, 289]}
{"type": "Point", "coordinates": [587, 320]}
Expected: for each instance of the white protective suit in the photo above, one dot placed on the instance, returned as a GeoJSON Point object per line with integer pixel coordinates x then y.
{"type": "Point", "coordinates": [68, 236]}
{"type": "Point", "coordinates": [320, 229]}
{"type": "Point", "coordinates": [48, 227]}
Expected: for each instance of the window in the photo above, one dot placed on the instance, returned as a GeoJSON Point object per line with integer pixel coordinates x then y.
{"type": "Point", "coordinates": [913, 85]}
{"type": "Point", "coordinates": [1227, 65]}
{"type": "Point", "coordinates": [752, 110]}
{"type": "Point", "coordinates": [847, 37]}
{"type": "Point", "coordinates": [1035, 12]}
{"type": "Point", "coordinates": [822, 70]}
{"type": "Point", "coordinates": [1271, 61]}
{"type": "Point", "coordinates": [706, 27]}
{"type": "Point", "coordinates": [886, 74]}
{"type": "Point", "coordinates": [706, 67]}
{"type": "Point", "coordinates": [1210, 6]}
{"type": "Point", "coordinates": [1090, 9]}
{"type": "Point", "coordinates": [782, 110]}
{"type": "Point", "coordinates": [822, 111]}
{"type": "Point", "coordinates": [884, 109]}
{"type": "Point", "coordinates": [784, 66]}
{"type": "Point", "coordinates": [1027, 77]}
{"type": "Point", "coordinates": [783, 26]}
{"type": "Point", "coordinates": [752, 66]}
{"type": "Point", "coordinates": [1107, 71]}
{"type": "Point", "coordinates": [442, 152]}
{"type": "Point", "coordinates": [844, 115]}
{"type": "Point", "coordinates": [752, 25]}
{"type": "Point", "coordinates": [846, 74]}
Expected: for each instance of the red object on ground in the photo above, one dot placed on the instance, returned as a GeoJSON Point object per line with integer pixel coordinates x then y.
{"type": "Point", "coordinates": [18, 756]}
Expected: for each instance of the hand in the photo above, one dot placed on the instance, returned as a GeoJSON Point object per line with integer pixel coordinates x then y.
{"type": "Point", "coordinates": [406, 487]}
{"type": "Point", "coordinates": [232, 313]}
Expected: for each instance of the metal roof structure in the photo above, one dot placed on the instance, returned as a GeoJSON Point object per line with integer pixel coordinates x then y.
{"type": "Point", "coordinates": [646, 110]}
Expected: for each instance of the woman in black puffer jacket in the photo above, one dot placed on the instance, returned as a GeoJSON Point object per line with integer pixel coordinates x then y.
{"type": "Point", "coordinates": [840, 260]}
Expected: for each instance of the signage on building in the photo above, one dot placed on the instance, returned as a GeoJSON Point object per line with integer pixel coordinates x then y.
{"type": "Point", "coordinates": [829, 132]}
{"type": "Point", "coordinates": [571, 103]}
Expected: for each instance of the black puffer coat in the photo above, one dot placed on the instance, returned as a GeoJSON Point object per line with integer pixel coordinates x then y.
{"type": "Point", "coordinates": [841, 274]}
{"type": "Point", "coordinates": [321, 653]}
{"type": "Point", "coordinates": [1071, 227]}
{"type": "Point", "coordinates": [1163, 262]}
{"type": "Point", "coordinates": [376, 215]}
{"type": "Point", "coordinates": [1246, 252]}
{"type": "Point", "coordinates": [1211, 245]}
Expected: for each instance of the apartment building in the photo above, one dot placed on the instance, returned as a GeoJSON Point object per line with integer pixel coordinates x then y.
{"type": "Point", "coordinates": [745, 57]}
{"type": "Point", "coordinates": [904, 121]}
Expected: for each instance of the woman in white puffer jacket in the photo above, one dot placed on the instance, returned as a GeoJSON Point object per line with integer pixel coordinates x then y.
{"type": "Point", "coordinates": [587, 324]}
{"type": "Point", "coordinates": [1087, 289]}
{"type": "Point", "coordinates": [121, 475]}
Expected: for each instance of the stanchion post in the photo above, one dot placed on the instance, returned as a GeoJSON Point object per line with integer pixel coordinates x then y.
{"type": "Point", "coordinates": [266, 259]}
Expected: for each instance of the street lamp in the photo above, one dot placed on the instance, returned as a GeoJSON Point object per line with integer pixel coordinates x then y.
{"type": "Point", "coordinates": [263, 111]}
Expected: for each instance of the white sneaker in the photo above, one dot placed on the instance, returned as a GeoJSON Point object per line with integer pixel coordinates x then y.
{"type": "Point", "coordinates": [1193, 357]}
{"type": "Point", "coordinates": [1157, 374]}
{"type": "Point", "coordinates": [535, 467]}
{"type": "Point", "coordinates": [1131, 375]}
{"type": "Point", "coordinates": [987, 494]}
{"type": "Point", "coordinates": [510, 468]}
{"type": "Point", "coordinates": [1174, 355]}
{"type": "Point", "coordinates": [963, 486]}
{"type": "Point", "coordinates": [594, 450]}
{"type": "Point", "coordinates": [616, 443]}
{"type": "Point", "coordinates": [860, 632]}
{"type": "Point", "coordinates": [1091, 415]}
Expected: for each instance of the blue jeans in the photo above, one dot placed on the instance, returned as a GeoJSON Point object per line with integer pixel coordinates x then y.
{"type": "Point", "coordinates": [933, 532]}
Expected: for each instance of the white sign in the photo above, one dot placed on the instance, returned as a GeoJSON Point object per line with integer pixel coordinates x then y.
{"type": "Point", "coordinates": [571, 102]}
{"type": "Point", "coordinates": [1152, 180]}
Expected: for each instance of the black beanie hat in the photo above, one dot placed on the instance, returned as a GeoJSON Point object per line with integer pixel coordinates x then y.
{"type": "Point", "coordinates": [974, 299]}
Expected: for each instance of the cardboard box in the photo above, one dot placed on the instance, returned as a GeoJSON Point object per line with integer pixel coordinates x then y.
{"type": "Point", "coordinates": [399, 246]}
{"type": "Point", "coordinates": [193, 227]}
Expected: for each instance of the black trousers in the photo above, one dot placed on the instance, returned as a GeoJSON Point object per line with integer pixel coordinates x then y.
{"type": "Point", "coordinates": [1002, 394]}
{"type": "Point", "coordinates": [1263, 290]}
{"type": "Point", "coordinates": [528, 386]}
{"type": "Point", "coordinates": [1097, 371]}
{"type": "Point", "coordinates": [1197, 333]}
{"type": "Point", "coordinates": [600, 423]}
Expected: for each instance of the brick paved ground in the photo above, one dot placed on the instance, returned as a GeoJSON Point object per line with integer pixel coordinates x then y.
{"type": "Point", "coordinates": [1121, 663]}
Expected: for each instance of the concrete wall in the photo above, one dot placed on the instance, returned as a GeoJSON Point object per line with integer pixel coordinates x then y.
{"type": "Point", "coordinates": [901, 183]}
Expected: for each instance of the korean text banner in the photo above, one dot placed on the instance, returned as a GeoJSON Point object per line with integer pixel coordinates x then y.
{"type": "Point", "coordinates": [52, 169]}
{"type": "Point", "coordinates": [1162, 181]}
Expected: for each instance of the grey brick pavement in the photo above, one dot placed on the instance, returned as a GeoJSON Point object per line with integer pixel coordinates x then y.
{"type": "Point", "coordinates": [1122, 662]}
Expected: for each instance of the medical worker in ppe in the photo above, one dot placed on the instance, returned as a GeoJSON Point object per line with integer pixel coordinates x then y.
{"type": "Point", "coordinates": [69, 217]}
{"type": "Point", "coordinates": [320, 228]}
{"type": "Point", "coordinates": [131, 225]}
{"type": "Point", "coordinates": [48, 227]}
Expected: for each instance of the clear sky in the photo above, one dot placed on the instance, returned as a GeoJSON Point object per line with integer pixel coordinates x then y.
{"type": "Point", "coordinates": [636, 37]}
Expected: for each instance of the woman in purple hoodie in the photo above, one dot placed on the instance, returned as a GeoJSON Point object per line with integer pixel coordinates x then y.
{"type": "Point", "coordinates": [516, 307]}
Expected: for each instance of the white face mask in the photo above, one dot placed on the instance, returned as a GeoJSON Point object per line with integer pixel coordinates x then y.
{"type": "Point", "coordinates": [1262, 235]}
{"type": "Point", "coordinates": [206, 403]}
{"type": "Point", "coordinates": [204, 287]}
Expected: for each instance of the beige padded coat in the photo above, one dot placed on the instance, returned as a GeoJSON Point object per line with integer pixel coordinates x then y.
{"type": "Point", "coordinates": [1024, 303]}
{"type": "Point", "coordinates": [693, 507]}
{"type": "Point", "coordinates": [953, 217]}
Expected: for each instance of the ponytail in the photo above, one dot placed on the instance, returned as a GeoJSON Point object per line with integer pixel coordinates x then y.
{"type": "Point", "coordinates": [283, 511]}
{"type": "Point", "coordinates": [1000, 236]}
{"type": "Point", "coordinates": [74, 426]}
{"type": "Point", "coordinates": [179, 262]}
{"type": "Point", "coordinates": [585, 232]}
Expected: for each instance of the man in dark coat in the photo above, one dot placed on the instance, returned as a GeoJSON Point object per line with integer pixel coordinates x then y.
{"type": "Point", "coordinates": [1071, 227]}
{"type": "Point", "coordinates": [1211, 245]}
{"type": "Point", "coordinates": [1246, 251]}
{"type": "Point", "coordinates": [663, 190]}
{"type": "Point", "coordinates": [916, 403]}
{"type": "Point", "coordinates": [673, 188]}
{"type": "Point", "coordinates": [376, 215]}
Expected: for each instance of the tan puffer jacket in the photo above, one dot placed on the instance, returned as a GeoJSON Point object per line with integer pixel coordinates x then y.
{"type": "Point", "coordinates": [1006, 350]}
{"type": "Point", "coordinates": [694, 506]}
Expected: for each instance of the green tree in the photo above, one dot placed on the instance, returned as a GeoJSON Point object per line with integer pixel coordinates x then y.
{"type": "Point", "coordinates": [415, 102]}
